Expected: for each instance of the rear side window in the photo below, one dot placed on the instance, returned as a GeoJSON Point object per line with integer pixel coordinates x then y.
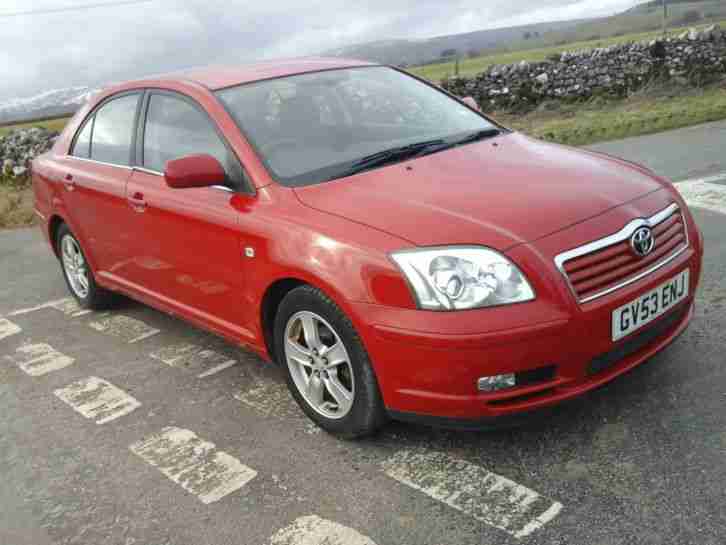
{"type": "Point", "coordinates": [82, 146]}
{"type": "Point", "coordinates": [113, 130]}
{"type": "Point", "coordinates": [175, 128]}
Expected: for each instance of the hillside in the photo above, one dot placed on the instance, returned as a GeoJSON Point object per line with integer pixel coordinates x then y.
{"type": "Point", "coordinates": [413, 52]}
{"type": "Point", "coordinates": [642, 18]}
{"type": "Point", "coordinates": [53, 103]}
{"type": "Point", "coordinates": [646, 17]}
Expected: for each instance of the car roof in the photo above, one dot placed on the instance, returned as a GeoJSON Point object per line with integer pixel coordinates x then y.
{"type": "Point", "coordinates": [219, 77]}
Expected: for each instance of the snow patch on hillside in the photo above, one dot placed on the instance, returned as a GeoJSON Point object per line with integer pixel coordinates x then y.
{"type": "Point", "coordinates": [55, 98]}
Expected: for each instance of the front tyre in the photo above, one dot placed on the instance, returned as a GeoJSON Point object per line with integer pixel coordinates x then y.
{"type": "Point", "coordinates": [327, 367]}
{"type": "Point", "coordinates": [78, 274]}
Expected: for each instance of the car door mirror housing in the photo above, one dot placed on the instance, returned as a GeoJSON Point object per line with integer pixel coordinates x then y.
{"type": "Point", "coordinates": [194, 171]}
{"type": "Point", "coordinates": [469, 101]}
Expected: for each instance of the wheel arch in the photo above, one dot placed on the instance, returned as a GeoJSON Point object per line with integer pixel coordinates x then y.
{"type": "Point", "coordinates": [274, 294]}
{"type": "Point", "coordinates": [54, 224]}
{"type": "Point", "coordinates": [276, 291]}
{"type": "Point", "coordinates": [57, 219]}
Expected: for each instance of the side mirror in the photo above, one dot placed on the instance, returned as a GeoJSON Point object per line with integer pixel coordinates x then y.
{"type": "Point", "coordinates": [469, 101]}
{"type": "Point", "coordinates": [194, 171]}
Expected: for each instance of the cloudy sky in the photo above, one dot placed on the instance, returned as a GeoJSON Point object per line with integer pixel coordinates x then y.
{"type": "Point", "coordinates": [95, 46]}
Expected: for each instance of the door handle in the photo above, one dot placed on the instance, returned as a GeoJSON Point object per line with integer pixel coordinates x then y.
{"type": "Point", "coordinates": [137, 201]}
{"type": "Point", "coordinates": [69, 182]}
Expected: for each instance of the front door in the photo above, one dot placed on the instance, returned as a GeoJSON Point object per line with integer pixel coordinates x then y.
{"type": "Point", "coordinates": [186, 241]}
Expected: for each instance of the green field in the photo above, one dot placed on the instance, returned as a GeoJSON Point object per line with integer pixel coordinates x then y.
{"type": "Point", "coordinates": [469, 67]}
{"type": "Point", "coordinates": [51, 124]}
{"type": "Point", "coordinates": [641, 18]}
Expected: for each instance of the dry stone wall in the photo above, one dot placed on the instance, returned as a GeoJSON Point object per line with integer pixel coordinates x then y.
{"type": "Point", "coordinates": [694, 57]}
{"type": "Point", "coordinates": [19, 147]}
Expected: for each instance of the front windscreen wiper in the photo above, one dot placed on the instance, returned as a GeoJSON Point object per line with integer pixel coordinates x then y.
{"type": "Point", "coordinates": [476, 136]}
{"type": "Point", "coordinates": [435, 146]}
{"type": "Point", "coordinates": [466, 139]}
{"type": "Point", "coordinates": [418, 149]}
{"type": "Point", "coordinates": [388, 156]}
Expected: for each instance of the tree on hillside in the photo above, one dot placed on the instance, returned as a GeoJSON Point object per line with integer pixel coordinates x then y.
{"type": "Point", "coordinates": [449, 53]}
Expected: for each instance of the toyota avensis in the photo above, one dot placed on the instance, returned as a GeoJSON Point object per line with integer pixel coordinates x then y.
{"type": "Point", "coordinates": [398, 253]}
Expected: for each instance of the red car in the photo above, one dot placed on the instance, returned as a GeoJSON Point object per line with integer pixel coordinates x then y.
{"type": "Point", "coordinates": [398, 253]}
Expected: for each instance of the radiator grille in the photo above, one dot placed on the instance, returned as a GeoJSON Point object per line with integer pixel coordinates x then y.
{"type": "Point", "coordinates": [596, 269]}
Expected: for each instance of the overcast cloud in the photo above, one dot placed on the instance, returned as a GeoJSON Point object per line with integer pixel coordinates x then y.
{"type": "Point", "coordinates": [97, 46]}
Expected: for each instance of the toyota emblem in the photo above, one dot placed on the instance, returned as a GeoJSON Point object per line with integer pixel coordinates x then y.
{"type": "Point", "coordinates": [642, 241]}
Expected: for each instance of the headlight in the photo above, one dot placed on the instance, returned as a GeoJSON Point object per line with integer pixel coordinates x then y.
{"type": "Point", "coordinates": [462, 277]}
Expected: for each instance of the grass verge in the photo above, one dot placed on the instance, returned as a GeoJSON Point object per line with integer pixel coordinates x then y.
{"type": "Point", "coordinates": [469, 67]}
{"type": "Point", "coordinates": [16, 207]}
{"type": "Point", "coordinates": [652, 110]}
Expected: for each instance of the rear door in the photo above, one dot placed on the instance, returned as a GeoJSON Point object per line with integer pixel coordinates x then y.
{"type": "Point", "coordinates": [94, 177]}
{"type": "Point", "coordinates": [186, 241]}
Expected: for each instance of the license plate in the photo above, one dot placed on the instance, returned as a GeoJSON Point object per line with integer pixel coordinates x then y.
{"type": "Point", "coordinates": [649, 306]}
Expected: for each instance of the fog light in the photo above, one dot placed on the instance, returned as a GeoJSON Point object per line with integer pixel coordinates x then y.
{"type": "Point", "coordinates": [496, 382]}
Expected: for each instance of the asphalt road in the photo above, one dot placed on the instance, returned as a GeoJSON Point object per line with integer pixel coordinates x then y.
{"type": "Point", "coordinates": [134, 428]}
{"type": "Point", "coordinates": [681, 154]}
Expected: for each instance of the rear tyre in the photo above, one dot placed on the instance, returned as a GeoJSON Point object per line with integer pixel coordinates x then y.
{"type": "Point", "coordinates": [327, 367]}
{"type": "Point", "coordinates": [78, 274]}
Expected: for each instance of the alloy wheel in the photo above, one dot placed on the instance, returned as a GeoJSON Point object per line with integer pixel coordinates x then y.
{"type": "Point", "coordinates": [75, 266]}
{"type": "Point", "coordinates": [319, 364]}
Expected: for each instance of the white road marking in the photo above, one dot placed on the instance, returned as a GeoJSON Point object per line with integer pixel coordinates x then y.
{"type": "Point", "coordinates": [97, 399]}
{"type": "Point", "coordinates": [8, 328]}
{"type": "Point", "coordinates": [177, 355]}
{"type": "Point", "coordinates": [68, 306]}
{"type": "Point", "coordinates": [205, 361]}
{"type": "Point", "coordinates": [702, 193]}
{"type": "Point", "coordinates": [217, 368]}
{"type": "Point", "coordinates": [39, 359]}
{"type": "Point", "coordinates": [313, 530]}
{"type": "Point", "coordinates": [471, 489]}
{"type": "Point", "coordinates": [194, 464]}
{"type": "Point", "coordinates": [33, 309]}
{"type": "Point", "coordinates": [269, 398]}
{"type": "Point", "coordinates": [127, 329]}
{"type": "Point", "coordinates": [311, 428]}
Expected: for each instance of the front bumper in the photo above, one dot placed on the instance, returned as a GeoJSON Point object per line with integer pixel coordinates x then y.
{"type": "Point", "coordinates": [432, 377]}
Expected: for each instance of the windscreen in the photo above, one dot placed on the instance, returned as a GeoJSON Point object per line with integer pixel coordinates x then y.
{"type": "Point", "coordinates": [313, 127]}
